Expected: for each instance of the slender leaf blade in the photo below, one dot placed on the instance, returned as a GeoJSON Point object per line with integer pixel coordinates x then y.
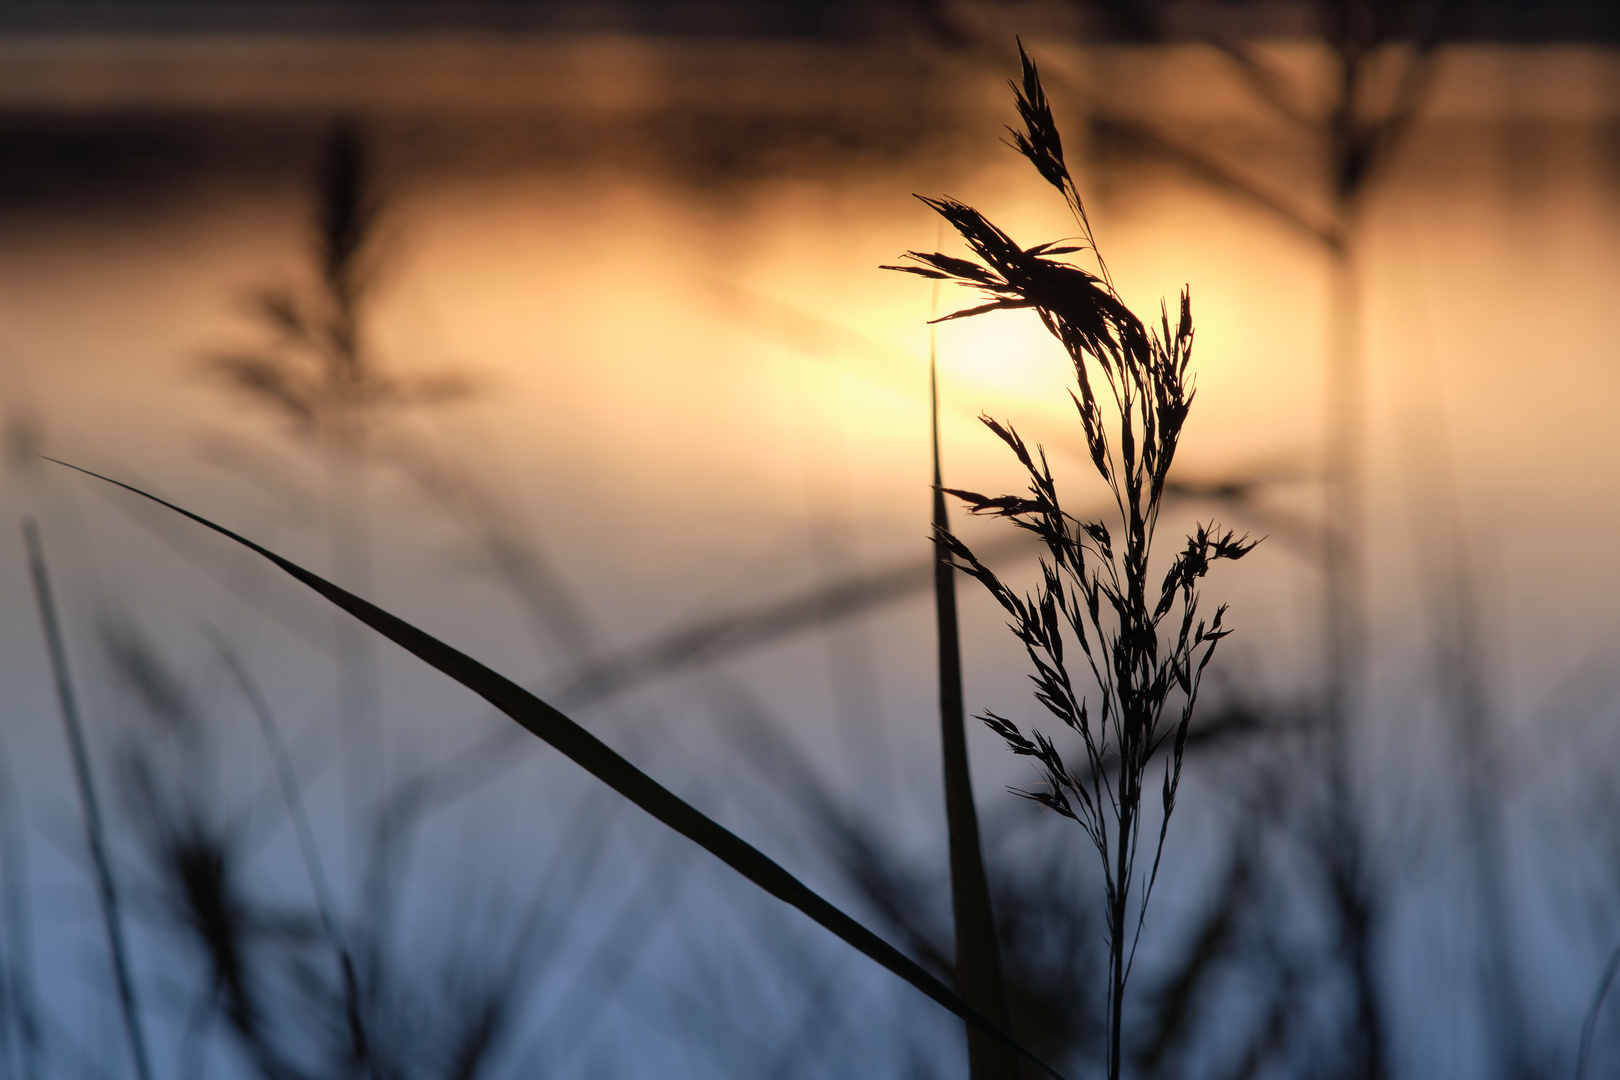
{"type": "Point", "coordinates": [604, 763]}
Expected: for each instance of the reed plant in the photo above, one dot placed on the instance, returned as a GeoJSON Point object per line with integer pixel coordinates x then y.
{"type": "Point", "coordinates": [317, 368]}
{"type": "Point", "coordinates": [1142, 647]}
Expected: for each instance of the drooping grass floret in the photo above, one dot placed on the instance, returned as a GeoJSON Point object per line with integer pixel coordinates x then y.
{"type": "Point", "coordinates": [1144, 648]}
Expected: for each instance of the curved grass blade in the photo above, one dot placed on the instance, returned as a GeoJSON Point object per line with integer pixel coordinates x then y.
{"type": "Point", "coordinates": [602, 762]}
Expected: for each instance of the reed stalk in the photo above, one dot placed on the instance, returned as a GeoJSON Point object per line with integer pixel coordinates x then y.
{"type": "Point", "coordinates": [1142, 645]}
{"type": "Point", "coordinates": [107, 893]}
{"type": "Point", "coordinates": [24, 1044]}
{"type": "Point", "coordinates": [318, 371]}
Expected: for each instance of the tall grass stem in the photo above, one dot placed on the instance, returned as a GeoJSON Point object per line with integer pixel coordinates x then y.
{"type": "Point", "coordinates": [21, 991]}
{"type": "Point", "coordinates": [89, 805]}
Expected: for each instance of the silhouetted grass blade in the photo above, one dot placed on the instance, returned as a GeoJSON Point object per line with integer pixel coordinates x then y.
{"type": "Point", "coordinates": [978, 953]}
{"type": "Point", "coordinates": [602, 762]}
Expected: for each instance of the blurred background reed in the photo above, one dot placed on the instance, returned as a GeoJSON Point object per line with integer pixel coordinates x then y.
{"type": "Point", "coordinates": [559, 330]}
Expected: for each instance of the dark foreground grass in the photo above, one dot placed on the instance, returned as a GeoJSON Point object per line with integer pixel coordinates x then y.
{"type": "Point", "coordinates": [602, 762]}
{"type": "Point", "coordinates": [1142, 646]}
{"type": "Point", "coordinates": [978, 966]}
